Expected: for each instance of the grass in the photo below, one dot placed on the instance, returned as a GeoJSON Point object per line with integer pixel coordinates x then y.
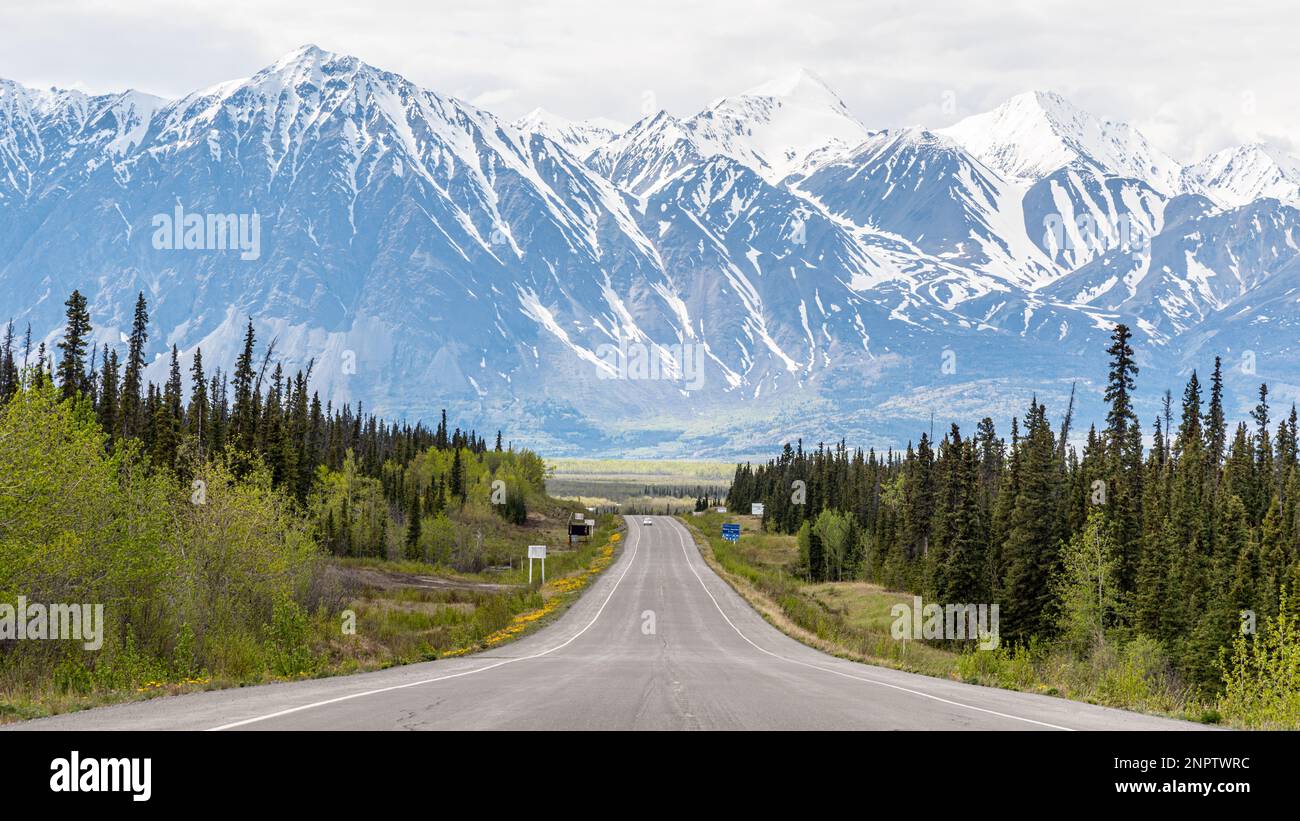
{"type": "Point", "coordinates": [846, 619]}
{"type": "Point", "coordinates": [410, 624]}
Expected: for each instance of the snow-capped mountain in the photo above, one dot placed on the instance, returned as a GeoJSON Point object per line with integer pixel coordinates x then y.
{"type": "Point", "coordinates": [581, 137]}
{"type": "Point", "coordinates": [773, 129]}
{"type": "Point", "coordinates": [766, 268]}
{"type": "Point", "coordinates": [929, 192]}
{"type": "Point", "coordinates": [1035, 133]}
{"type": "Point", "coordinates": [1236, 176]}
{"type": "Point", "coordinates": [1199, 266]}
{"type": "Point", "coordinates": [651, 152]}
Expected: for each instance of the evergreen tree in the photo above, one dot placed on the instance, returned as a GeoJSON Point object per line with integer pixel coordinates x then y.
{"type": "Point", "coordinates": [1032, 551]}
{"type": "Point", "coordinates": [413, 524]}
{"type": "Point", "coordinates": [243, 416]}
{"type": "Point", "coordinates": [133, 373]}
{"type": "Point", "coordinates": [76, 336]}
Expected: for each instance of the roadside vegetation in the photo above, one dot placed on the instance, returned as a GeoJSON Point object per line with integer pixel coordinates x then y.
{"type": "Point", "coordinates": [250, 534]}
{"type": "Point", "coordinates": [1156, 578]}
{"type": "Point", "coordinates": [852, 618]}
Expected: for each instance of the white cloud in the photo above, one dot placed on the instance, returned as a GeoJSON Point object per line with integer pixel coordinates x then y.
{"type": "Point", "coordinates": [493, 98]}
{"type": "Point", "coordinates": [1196, 75]}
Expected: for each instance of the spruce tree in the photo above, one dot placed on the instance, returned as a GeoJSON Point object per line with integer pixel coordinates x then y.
{"type": "Point", "coordinates": [76, 336]}
{"type": "Point", "coordinates": [1032, 549]}
{"type": "Point", "coordinates": [413, 524]}
{"type": "Point", "coordinates": [133, 372]}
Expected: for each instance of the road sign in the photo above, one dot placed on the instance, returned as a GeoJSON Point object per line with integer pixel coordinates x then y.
{"type": "Point", "coordinates": [536, 551]}
{"type": "Point", "coordinates": [731, 532]}
{"type": "Point", "coordinates": [756, 509]}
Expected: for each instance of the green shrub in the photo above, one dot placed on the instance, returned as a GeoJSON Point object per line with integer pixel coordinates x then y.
{"type": "Point", "coordinates": [1008, 667]}
{"type": "Point", "coordinates": [1261, 675]}
{"type": "Point", "coordinates": [288, 648]}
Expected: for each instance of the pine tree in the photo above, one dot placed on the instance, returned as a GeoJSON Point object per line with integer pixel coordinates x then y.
{"type": "Point", "coordinates": [1216, 429]}
{"type": "Point", "coordinates": [918, 500]}
{"type": "Point", "coordinates": [72, 366]}
{"type": "Point", "coordinates": [1032, 549]}
{"type": "Point", "coordinates": [8, 367]}
{"type": "Point", "coordinates": [1124, 457]}
{"type": "Point", "coordinates": [109, 399]}
{"type": "Point", "coordinates": [133, 373]}
{"type": "Point", "coordinates": [243, 416]}
{"type": "Point", "coordinates": [413, 524]}
{"type": "Point", "coordinates": [458, 477]}
{"type": "Point", "coordinates": [963, 573]}
{"type": "Point", "coordinates": [1264, 480]}
{"type": "Point", "coordinates": [197, 417]}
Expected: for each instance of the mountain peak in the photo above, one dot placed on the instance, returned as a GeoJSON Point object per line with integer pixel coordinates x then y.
{"type": "Point", "coordinates": [580, 136]}
{"type": "Point", "coordinates": [774, 127]}
{"type": "Point", "coordinates": [308, 61]}
{"type": "Point", "coordinates": [537, 118]}
{"type": "Point", "coordinates": [1035, 133]}
{"type": "Point", "coordinates": [801, 83]}
{"type": "Point", "coordinates": [1280, 155]}
{"type": "Point", "coordinates": [1047, 102]}
{"type": "Point", "coordinates": [1243, 173]}
{"type": "Point", "coordinates": [308, 52]}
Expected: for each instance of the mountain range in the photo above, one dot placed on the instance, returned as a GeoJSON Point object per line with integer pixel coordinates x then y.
{"type": "Point", "coordinates": [766, 269]}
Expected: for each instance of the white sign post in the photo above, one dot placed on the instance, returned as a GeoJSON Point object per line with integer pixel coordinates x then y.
{"type": "Point", "coordinates": [536, 551]}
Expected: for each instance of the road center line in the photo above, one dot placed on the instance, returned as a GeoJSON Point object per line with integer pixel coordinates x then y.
{"type": "Point", "coordinates": [631, 559]}
{"type": "Point", "coordinates": [681, 528]}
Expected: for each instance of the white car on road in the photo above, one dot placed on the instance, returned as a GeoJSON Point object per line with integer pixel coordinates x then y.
{"type": "Point", "coordinates": [647, 521]}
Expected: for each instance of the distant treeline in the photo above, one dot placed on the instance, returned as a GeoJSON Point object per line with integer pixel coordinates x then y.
{"type": "Point", "coordinates": [683, 491]}
{"type": "Point", "coordinates": [259, 410]}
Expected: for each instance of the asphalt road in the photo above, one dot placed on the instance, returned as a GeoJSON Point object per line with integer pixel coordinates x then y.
{"type": "Point", "coordinates": [710, 662]}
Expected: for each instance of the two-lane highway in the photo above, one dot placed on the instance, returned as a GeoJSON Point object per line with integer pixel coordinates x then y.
{"type": "Point", "coordinates": [658, 642]}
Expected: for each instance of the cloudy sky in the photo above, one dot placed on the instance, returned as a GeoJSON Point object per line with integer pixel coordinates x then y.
{"type": "Point", "coordinates": [1194, 76]}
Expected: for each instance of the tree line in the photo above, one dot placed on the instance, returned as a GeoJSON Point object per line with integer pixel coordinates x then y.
{"type": "Point", "coordinates": [1179, 541]}
{"type": "Point", "coordinates": [199, 511]}
{"type": "Point", "coordinates": [261, 413]}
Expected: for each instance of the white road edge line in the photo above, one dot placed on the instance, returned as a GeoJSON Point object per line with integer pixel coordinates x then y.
{"type": "Point", "coordinates": [680, 528]}
{"type": "Point", "coordinates": [631, 559]}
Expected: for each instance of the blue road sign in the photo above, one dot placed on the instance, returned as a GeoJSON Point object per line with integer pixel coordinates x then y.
{"type": "Point", "coordinates": [731, 532]}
